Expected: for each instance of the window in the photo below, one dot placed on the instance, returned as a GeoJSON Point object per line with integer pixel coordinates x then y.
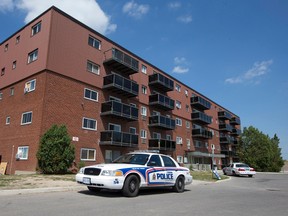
{"type": "Point", "coordinates": [93, 68]}
{"type": "Point", "coordinates": [17, 39]}
{"type": "Point", "coordinates": [90, 94]}
{"type": "Point", "coordinates": [94, 42]}
{"type": "Point", "coordinates": [7, 120]}
{"type": "Point", "coordinates": [14, 65]}
{"type": "Point", "coordinates": [155, 161]}
{"type": "Point", "coordinates": [144, 69]}
{"type": "Point", "coordinates": [178, 104]}
{"type": "Point", "coordinates": [6, 47]}
{"type": "Point", "coordinates": [26, 118]}
{"type": "Point", "coordinates": [179, 159]}
{"type": "Point", "coordinates": [1, 95]}
{"type": "Point", "coordinates": [22, 153]}
{"type": "Point", "coordinates": [12, 91]}
{"type": "Point", "coordinates": [187, 108]}
{"type": "Point", "coordinates": [143, 134]}
{"type": "Point", "coordinates": [2, 71]}
{"type": "Point", "coordinates": [30, 86]}
{"type": "Point", "coordinates": [179, 140]}
{"type": "Point", "coordinates": [114, 127]}
{"type": "Point", "coordinates": [168, 137]}
{"type": "Point", "coordinates": [178, 121]}
{"type": "Point", "coordinates": [132, 130]}
{"type": "Point", "coordinates": [33, 56]}
{"type": "Point", "coordinates": [188, 143]}
{"type": "Point", "coordinates": [144, 89]}
{"type": "Point", "coordinates": [143, 111]}
{"type": "Point", "coordinates": [168, 162]}
{"type": "Point", "coordinates": [187, 124]}
{"type": "Point", "coordinates": [178, 88]}
{"type": "Point", "coordinates": [89, 124]}
{"type": "Point", "coordinates": [36, 28]}
{"type": "Point", "coordinates": [88, 154]}
{"type": "Point", "coordinates": [186, 93]}
{"type": "Point", "coordinates": [156, 135]}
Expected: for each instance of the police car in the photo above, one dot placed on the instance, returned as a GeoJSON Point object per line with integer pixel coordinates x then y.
{"type": "Point", "coordinates": [136, 170]}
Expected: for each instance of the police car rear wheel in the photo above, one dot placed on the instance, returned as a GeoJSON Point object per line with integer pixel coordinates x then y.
{"type": "Point", "coordinates": [179, 185]}
{"type": "Point", "coordinates": [131, 186]}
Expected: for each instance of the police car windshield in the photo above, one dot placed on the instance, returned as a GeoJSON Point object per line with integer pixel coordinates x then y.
{"type": "Point", "coordinates": [140, 159]}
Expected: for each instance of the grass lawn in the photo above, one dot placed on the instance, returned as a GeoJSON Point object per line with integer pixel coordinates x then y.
{"type": "Point", "coordinates": [206, 176]}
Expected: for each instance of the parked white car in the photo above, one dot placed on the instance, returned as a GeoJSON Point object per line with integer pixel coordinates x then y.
{"type": "Point", "coordinates": [136, 170]}
{"type": "Point", "coordinates": [239, 169]}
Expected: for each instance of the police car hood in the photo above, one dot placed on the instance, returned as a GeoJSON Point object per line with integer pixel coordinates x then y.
{"type": "Point", "coordinates": [114, 166]}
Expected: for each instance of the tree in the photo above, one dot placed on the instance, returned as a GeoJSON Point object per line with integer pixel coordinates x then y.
{"type": "Point", "coordinates": [260, 151]}
{"type": "Point", "coordinates": [55, 154]}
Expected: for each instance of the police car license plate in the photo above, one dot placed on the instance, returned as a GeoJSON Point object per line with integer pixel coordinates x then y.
{"type": "Point", "coordinates": [86, 180]}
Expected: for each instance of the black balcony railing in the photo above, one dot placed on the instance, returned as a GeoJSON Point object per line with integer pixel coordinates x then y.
{"type": "Point", "coordinates": [201, 118]}
{"type": "Point", "coordinates": [201, 133]}
{"type": "Point", "coordinates": [118, 139]}
{"type": "Point", "coordinates": [235, 121]}
{"type": "Point", "coordinates": [121, 85]}
{"type": "Point", "coordinates": [162, 144]}
{"type": "Point", "coordinates": [118, 109]}
{"type": "Point", "coordinates": [200, 103]}
{"type": "Point", "coordinates": [226, 140]}
{"type": "Point", "coordinates": [235, 132]}
{"type": "Point", "coordinates": [224, 115]}
{"type": "Point", "coordinates": [225, 127]}
{"type": "Point", "coordinates": [161, 101]}
{"type": "Point", "coordinates": [163, 122]}
{"type": "Point", "coordinates": [161, 82]}
{"type": "Point", "coordinates": [120, 61]}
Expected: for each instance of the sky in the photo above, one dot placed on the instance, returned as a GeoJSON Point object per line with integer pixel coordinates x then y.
{"type": "Point", "coordinates": [235, 52]}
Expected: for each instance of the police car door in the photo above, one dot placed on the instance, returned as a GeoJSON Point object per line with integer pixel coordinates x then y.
{"type": "Point", "coordinates": [155, 172]}
{"type": "Point", "coordinates": [170, 170]}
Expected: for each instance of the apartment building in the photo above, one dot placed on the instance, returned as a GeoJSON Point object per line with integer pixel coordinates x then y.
{"type": "Point", "coordinates": [56, 70]}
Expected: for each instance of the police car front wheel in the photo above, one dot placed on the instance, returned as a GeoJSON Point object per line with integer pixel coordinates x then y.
{"type": "Point", "coordinates": [131, 186]}
{"type": "Point", "coordinates": [179, 185]}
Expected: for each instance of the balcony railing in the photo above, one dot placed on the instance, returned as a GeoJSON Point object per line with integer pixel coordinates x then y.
{"type": "Point", "coordinates": [116, 138]}
{"type": "Point", "coordinates": [121, 62]}
{"type": "Point", "coordinates": [161, 101]}
{"type": "Point", "coordinates": [162, 144]}
{"type": "Point", "coordinates": [201, 133]}
{"type": "Point", "coordinates": [121, 85]}
{"type": "Point", "coordinates": [161, 82]}
{"type": "Point", "coordinates": [226, 140]}
{"type": "Point", "coordinates": [163, 122]}
{"type": "Point", "coordinates": [236, 132]}
{"type": "Point", "coordinates": [200, 103]}
{"type": "Point", "coordinates": [225, 127]}
{"type": "Point", "coordinates": [201, 118]}
{"type": "Point", "coordinates": [235, 121]}
{"type": "Point", "coordinates": [224, 115]}
{"type": "Point", "coordinates": [119, 109]}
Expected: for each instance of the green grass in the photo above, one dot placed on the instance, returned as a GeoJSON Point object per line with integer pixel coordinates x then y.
{"type": "Point", "coordinates": [205, 176]}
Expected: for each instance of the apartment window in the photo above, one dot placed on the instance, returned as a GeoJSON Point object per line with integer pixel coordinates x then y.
{"type": "Point", "coordinates": [26, 118]}
{"type": "Point", "coordinates": [88, 154]}
{"type": "Point", "coordinates": [187, 108]}
{"type": "Point", "coordinates": [143, 134]}
{"type": "Point", "coordinates": [22, 153]}
{"type": "Point", "coordinates": [168, 137]}
{"type": "Point", "coordinates": [93, 68]}
{"type": "Point", "coordinates": [144, 69]}
{"type": "Point", "coordinates": [188, 143]}
{"type": "Point", "coordinates": [144, 89]}
{"type": "Point", "coordinates": [90, 94]}
{"type": "Point", "coordinates": [179, 159]}
{"type": "Point", "coordinates": [89, 124]}
{"type": "Point", "coordinates": [36, 28]}
{"type": "Point", "coordinates": [17, 39]}
{"type": "Point", "coordinates": [187, 124]}
{"type": "Point", "coordinates": [186, 92]}
{"type": "Point", "coordinates": [114, 127]}
{"type": "Point", "coordinates": [12, 91]}
{"type": "Point", "coordinates": [8, 120]}
{"type": "Point", "coordinates": [14, 65]}
{"type": "Point", "coordinates": [2, 71]}
{"type": "Point", "coordinates": [143, 111]}
{"type": "Point", "coordinates": [156, 135]}
{"type": "Point", "coordinates": [179, 140]}
{"type": "Point", "coordinates": [30, 86]}
{"type": "Point", "coordinates": [33, 56]}
{"type": "Point", "coordinates": [178, 121]}
{"type": "Point", "coordinates": [6, 47]}
{"type": "Point", "coordinates": [178, 104]}
{"type": "Point", "coordinates": [178, 88]}
{"type": "Point", "coordinates": [132, 130]}
{"type": "Point", "coordinates": [1, 95]}
{"type": "Point", "coordinates": [94, 42]}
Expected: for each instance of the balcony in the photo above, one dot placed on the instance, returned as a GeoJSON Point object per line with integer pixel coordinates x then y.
{"type": "Point", "coordinates": [162, 122]}
{"type": "Point", "coordinates": [121, 85]}
{"type": "Point", "coordinates": [226, 140]}
{"type": "Point", "coordinates": [120, 61]}
{"type": "Point", "coordinates": [201, 133]}
{"type": "Point", "coordinates": [235, 132]}
{"type": "Point", "coordinates": [161, 82]}
{"type": "Point", "coordinates": [161, 101]}
{"type": "Point", "coordinates": [201, 118]}
{"type": "Point", "coordinates": [225, 127]}
{"type": "Point", "coordinates": [224, 115]}
{"type": "Point", "coordinates": [118, 109]}
{"type": "Point", "coordinates": [235, 121]}
{"type": "Point", "coordinates": [162, 144]}
{"type": "Point", "coordinates": [115, 138]}
{"type": "Point", "coordinates": [198, 102]}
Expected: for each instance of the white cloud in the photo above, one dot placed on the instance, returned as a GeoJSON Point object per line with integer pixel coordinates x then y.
{"type": "Point", "coordinates": [253, 75]}
{"type": "Point", "coordinates": [6, 5]}
{"type": "Point", "coordinates": [86, 11]}
{"type": "Point", "coordinates": [135, 10]}
{"type": "Point", "coordinates": [180, 65]}
{"type": "Point", "coordinates": [185, 18]}
{"type": "Point", "coordinates": [174, 5]}
{"type": "Point", "coordinates": [180, 60]}
{"type": "Point", "coordinates": [180, 70]}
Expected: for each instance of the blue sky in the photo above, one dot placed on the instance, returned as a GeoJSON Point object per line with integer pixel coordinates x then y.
{"type": "Point", "coordinates": [234, 52]}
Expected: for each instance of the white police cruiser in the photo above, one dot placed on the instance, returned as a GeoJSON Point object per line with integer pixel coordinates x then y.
{"type": "Point", "coordinates": [133, 171]}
